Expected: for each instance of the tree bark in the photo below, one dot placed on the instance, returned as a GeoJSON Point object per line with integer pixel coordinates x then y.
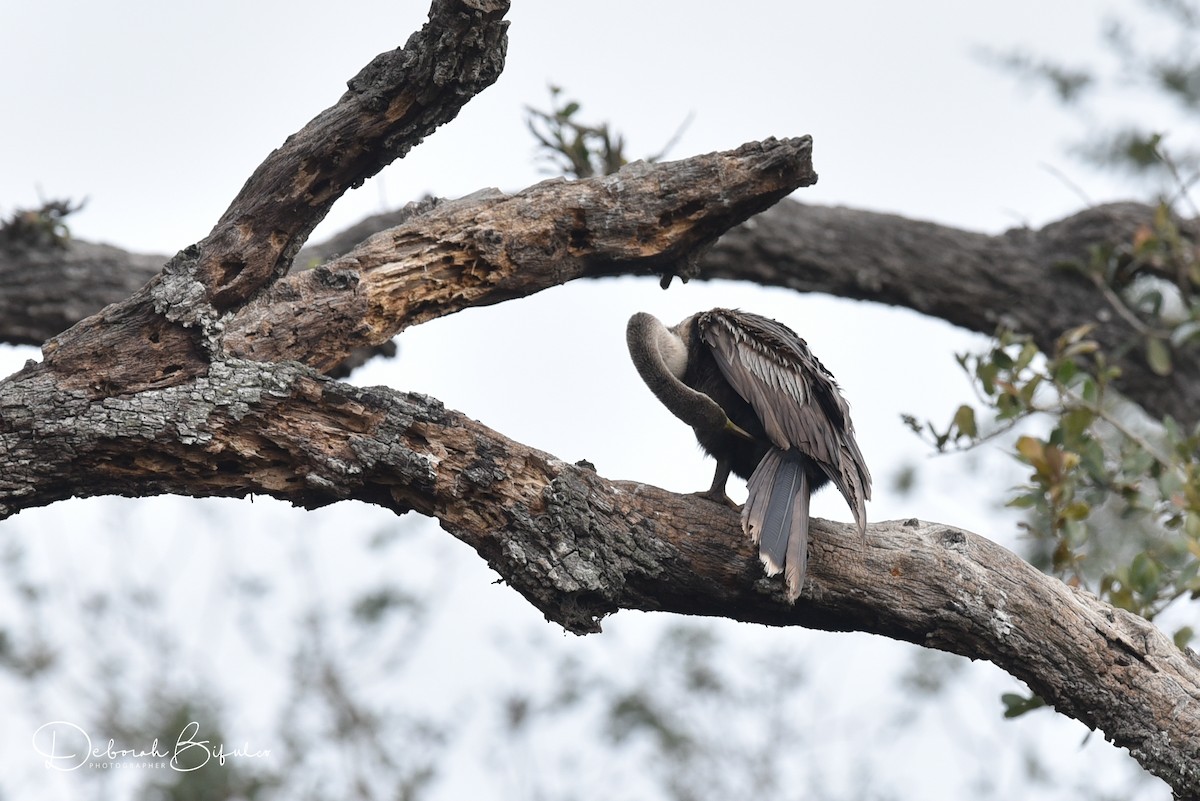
{"type": "Point", "coordinates": [972, 280]}
{"type": "Point", "coordinates": [579, 547]}
{"type": "Point", "coordinates": [206, 381]}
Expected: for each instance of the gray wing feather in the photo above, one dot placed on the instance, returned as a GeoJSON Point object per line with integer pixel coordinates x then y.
{"type": "Point", "coordinates": [776, 517]}
{"type": "Point", "coordinates": [768, 509]}
{"type": "Point", "coordinates": [793, 395]}
{"type": "Point", "coordinates": [797, 552]}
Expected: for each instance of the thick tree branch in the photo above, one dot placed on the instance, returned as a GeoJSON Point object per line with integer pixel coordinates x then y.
{"type": "Point", "coordinates": [579, 547]}
{"type": "Point", "coordinates": [205, 383]}
{"type": "Point", "coordinates": [491, 247]}
{"type": "Point", "coordinates": [971, 280]}
{"type": "Point", "coordinates": [46, 290]}
{"type": "Point", "coordinates": [395, 101]}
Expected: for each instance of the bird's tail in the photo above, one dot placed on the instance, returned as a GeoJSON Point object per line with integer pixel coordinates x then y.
{"type": "Point", "coordinates": [776, 516]}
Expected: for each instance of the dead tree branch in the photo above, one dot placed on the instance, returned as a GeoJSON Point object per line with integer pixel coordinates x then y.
{"type": "Point", "coordinates": [205, 382]}
{"type": "Point", "coordinates": [969, 279]}
{"type": "Point", "coordinates": [580, 547]}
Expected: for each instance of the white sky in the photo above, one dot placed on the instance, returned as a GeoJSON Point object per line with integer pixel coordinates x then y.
{"type": "Point", "coordinates": [158, 113]}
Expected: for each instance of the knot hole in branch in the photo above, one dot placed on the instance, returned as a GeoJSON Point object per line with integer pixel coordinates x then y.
{"type": "Point", "coordinates": [228, 272]}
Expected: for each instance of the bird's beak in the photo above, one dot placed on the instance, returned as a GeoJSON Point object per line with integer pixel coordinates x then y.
{"type": "Point", "coordinates": [734, 428]}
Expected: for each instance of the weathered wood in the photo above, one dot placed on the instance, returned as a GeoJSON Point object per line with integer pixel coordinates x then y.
{"type": "Point", "coordinates": [391, 105]}
{"type": "Point", "coordinates": [157, 394]}
{"type": "Point", "coordinates": [580, 547]}
{"type": "Point", "coordinates": [969, 279]}
{"type": "Point", "coordinates": [491, 247]}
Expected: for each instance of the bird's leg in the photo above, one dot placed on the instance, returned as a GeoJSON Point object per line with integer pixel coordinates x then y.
{"type": "Point", "coordinates": [716, 493]}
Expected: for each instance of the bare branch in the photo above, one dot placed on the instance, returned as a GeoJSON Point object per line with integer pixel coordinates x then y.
{"type": "Point", "coordinates": [44, 291]}
{"type": "Point", "coordinates": [579, 547]}
{"type": "Point", "coordinates": [491, 247]}
{"type": "Point", "coordinates": [396, 100]}
{"type": "Point", "coordinates": [969, 279]}
{"type": "Point", "coordinates": [204, 382]}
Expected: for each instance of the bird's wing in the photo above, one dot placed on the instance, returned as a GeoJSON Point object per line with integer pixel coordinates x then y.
{"type": "Point", "coordinates": [792, 393]}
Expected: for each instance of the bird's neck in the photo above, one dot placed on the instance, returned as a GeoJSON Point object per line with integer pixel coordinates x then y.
{"type": "Point", "coordinates": [672, 349]}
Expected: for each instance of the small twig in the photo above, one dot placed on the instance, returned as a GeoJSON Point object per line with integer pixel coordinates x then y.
{"type": "Point", "coordinates": [1125, 313]}
{"type": "Point", "coordinates": [1067, 182]}
{"type": "Point", "coordinates": [675, 137]}
{"type": "Point", "coordinates": [1183, 186]}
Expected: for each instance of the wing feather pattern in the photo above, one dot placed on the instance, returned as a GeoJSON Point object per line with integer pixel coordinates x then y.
{"type": "Point", "coordinates": [793, 394]}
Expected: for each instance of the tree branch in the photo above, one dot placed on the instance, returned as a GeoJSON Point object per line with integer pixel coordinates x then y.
{"type": "Point", "coordinates": [969, 279]}
{"type": "Point", "coordinates": [393, 103]}
{"type": "Point", "coordinates": [580, 547]}
{"type": "Point", "coordinates": [490, 247]}
{"type": "Point", "coordinates": [204, 382]}
{"type": "Point", "coordinates": [958, 276]}
{"type": "Point", "coordinates": [45, 290]}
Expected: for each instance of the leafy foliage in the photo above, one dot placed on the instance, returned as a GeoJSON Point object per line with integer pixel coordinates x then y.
{"type": "Point", "coordinates": [1113, 497]}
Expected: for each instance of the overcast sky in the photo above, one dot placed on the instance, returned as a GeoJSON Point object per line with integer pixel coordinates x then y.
{"type": "Point", "coordinates": [157, 113]}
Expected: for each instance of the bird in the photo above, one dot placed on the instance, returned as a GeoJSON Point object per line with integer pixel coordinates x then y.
{"type": "Point", "coordinates": [767, 410]}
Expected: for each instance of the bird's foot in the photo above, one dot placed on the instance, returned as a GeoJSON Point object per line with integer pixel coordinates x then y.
{"type": "Point", "coordinates": [718, 496]}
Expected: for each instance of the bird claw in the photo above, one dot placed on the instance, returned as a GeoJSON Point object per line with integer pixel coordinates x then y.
{"type": "Point", "coordinates": [718, 496]}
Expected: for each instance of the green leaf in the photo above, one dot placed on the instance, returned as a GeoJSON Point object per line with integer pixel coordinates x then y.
{"type": "Point", "coordinates": [1026, 356]}
{"type": "Point", "coordinates": [1029, 389]}
{"type": "Point", "coordinates": [1137, 460]}
{"type": "Point", "coordinates": [1091, 456]}
{"type": "Point", "coordinates": [964, 421]}
{"type": "Point", "coordinates": [1183, 637]}
{"type": "Point", "coordinates": [1173, 431]}
{"type": "Point", "coordinates": [1075, 423]}
{"type": "Point", "coordinates": [1170, 483]}
{"type": "Point", "coordinates": [1027, 500]}
{"type": "Point", "coordinates": [987, 372]}
{"type": "Point", "coordinates": [1007, 407]}
{"type": "Point", "coordinates": [1143, 575]}
{"type": "Point", "coordinates": [1016, 705]}
{"type": "Point", "coordinates": [1064, 371]}
{"type": "Point", "coordinates": [1088, 390]}
{"type": "Point", "coordinates": [1158, 355]}
{"type": "Point", "coordinates": [1077, 510]}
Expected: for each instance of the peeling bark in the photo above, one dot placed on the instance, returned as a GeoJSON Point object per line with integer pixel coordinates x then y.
{"type": "Point", "coordinates": [580, 547]}
{"type": "Point", "coordinates": [205, 381]}
{"type": "Point", "coordinates": [972, 280]}
{"type": "Point", "coordinates": [392, 104]}
{"type": "Point", "coordinates": [490, 247]}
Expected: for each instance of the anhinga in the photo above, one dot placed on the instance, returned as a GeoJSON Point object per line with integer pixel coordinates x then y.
{"type": "Point", "coordinates": [767, 410]}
